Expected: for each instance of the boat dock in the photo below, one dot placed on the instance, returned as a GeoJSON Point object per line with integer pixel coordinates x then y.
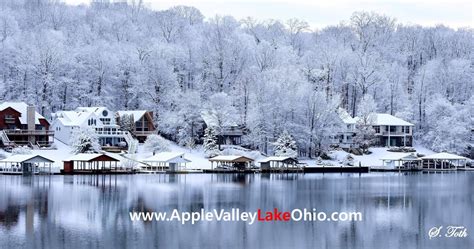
{"type": "Point", "coordinates": [336, 169]}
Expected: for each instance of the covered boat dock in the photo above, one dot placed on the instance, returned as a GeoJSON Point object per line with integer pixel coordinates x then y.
{"type": "Point", "coordinates": [402, 161]}
{"type": "Point", "coordinates": [444, 161]}
{"type": "Point", "coordinates": [26, 165]}
{"type": "Point", "coordinates": [169, 161]}
{"type": "Point", "coordinates": [279, 163]}
{"type": "Point", "coordinates": [91, 163]}
{"type": "Point", "coordinates": [231, 162]}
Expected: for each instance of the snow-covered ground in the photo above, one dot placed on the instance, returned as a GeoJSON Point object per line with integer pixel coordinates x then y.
{"type": "Point", "coordinates": [199, 161]}
{"type": "Point", "coordinates": [373, 159]}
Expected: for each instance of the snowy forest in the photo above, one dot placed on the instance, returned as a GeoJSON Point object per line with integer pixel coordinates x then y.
{"type": "Point", "coordinates": [270, 76]}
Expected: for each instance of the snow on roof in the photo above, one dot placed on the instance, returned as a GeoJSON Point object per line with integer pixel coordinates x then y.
{"type": "Point", "coordinates": [445, 156]}
{"type": "Point", "coordinates": [387, 119]}
{"type": "Point", "coordinates": [174, 157]}
{"type": "Point", "coordinates": [85, 157]}
{"type": "Point", "coordinates": [228, 158]}
{"type": "Point", "coordinates": [401, 156]}
{"type": "Point", "coordinates": [21, 107]}
{"type": "Point", "coordinates": [23, 158]}
{"type": "Point", "coordinates": [345, 117]}
{"type": "Point", "coordinates": [73, 118]}
{"type": "Point", "coordinates": [93, 109]}
{"type": "Point", "coordinates": [137, 114]}
{"type": "Point", "coordinates": [212, 120]}
{"type": "Point", "coordinates": [275, 158]}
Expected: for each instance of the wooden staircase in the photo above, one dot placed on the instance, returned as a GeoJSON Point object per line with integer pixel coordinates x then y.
{"type": "Point", "coordinates": [5, 140]}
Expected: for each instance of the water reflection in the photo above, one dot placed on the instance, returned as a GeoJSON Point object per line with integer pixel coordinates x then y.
{"type": "Point", "coordinates": [92, 211]}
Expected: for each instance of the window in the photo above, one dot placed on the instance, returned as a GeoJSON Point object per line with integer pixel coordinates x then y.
{"type": "Point", "coordinates": [105, 113]}
{"type": "Point", "coordinates": [377, 129]}
{"type": "Point", "coordinates": [393, 128]}
{"type": "Point", "coordinates": [403, 129]}
{"type": "Point", "coordinates": [105, 121]}
{"type": "Point", "coordinates": [9, 119]}
{"type": "Point", "coordinates": [407, 129]}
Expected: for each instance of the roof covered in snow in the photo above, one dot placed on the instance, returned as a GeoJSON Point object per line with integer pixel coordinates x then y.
{"type": "Point", "coordinates": [387, 119]}
{"type": "Point", "coordinates": [137, 114]}
{"type": "Point", "coordinates": [401, 157]}
{"type": "Point", "coordinates": [345, 117]}
{"type": "Point", "coordinates": [212, 120]}
{"type": "Point", "coordinates": [230, 158]}
{"type": "Point", "coordinates": [21, 107]}
{"type": "Point", "coordinates": [444, 156]}
{"type": "Point", "coordinates": [168, 157]}
{"type": "Point", "coordinates": [73, 118]}
{"type": "Point", "coordinates": [24, 158]}
{"type": "Point", "coordinates": [86, 157]}
{"type": "Point", "coordinates": [95, 109]}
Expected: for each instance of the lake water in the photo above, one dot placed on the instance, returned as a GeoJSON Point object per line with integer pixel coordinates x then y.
{"type": "Point", "coordinates": [93, 211]}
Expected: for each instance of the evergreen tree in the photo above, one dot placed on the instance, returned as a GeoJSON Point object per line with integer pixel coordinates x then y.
{"type": "Point", "coordinates": [286, 146]}
{"type": "Point", "coordinates": [210, 142]}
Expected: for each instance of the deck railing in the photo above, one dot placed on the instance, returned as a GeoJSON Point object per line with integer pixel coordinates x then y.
{"type": "Point", "coordinates": [143, 133]}
{"type": "Point", "coordinates": [396, 133]}
{"type": "Point", "coordinates": [30, 132]}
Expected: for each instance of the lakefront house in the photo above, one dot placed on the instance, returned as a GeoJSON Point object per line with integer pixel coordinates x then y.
{"type": "Point", "coordinates": [391, 131]}
{"type": "Point", "coordinates": [100, 119]}
{"type": "Point", "coordinates": [20, 124]}
{"type": "Point", "coordinates": [142, 120]}
{"type": "Point", "coordinates": [228, 132]}
{"type": "Point", "coordinates": [345, 136]}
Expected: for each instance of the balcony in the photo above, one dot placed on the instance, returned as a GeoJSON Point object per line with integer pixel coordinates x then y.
{"type": "Point", "coordinates": [111, 133]}
{"type": "Point", "coordinates": [144, 133]}
{"type": "Point", "coordinates": [29, 132]}
{"type": "Point", "coordinates": [396, 133]}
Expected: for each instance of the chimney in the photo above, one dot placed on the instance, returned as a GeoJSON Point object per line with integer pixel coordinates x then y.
{"type": "Point", "coordinates": [30, 121]}
{"type": "Point", "coordinates": [30, 117]}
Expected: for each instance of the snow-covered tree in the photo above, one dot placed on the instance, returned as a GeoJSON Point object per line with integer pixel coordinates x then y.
{"type": "Point", "coordinates": [365, 134]}
{"type": "Point", "coordinates": [127, 123]}
{"type": "Point", "coordinates": [155, 143]}
{"type": "Point", "coordinates": [84, 140]}
{"type": "Point", "coordinates": [267, 75]}
{"type": "Point", "coordinates": [211, 148]}
{"type": "Point", "coordinates": [285, 146]}
{"type": "Point", "coordinates": [448, 125]}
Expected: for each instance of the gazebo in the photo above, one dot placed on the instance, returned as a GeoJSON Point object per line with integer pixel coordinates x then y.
{"type": "Point", "coordinates": [231, 162]}
{"type": "Point", "coordinates": [444, 161]}
{"type": "Point", "coordinates": [402, 161]}
{"type": "Point", "coordinates": [278, 162]}
{"type": "Point", "coordinates": [90, 163]}
{"type": "Point", "coordinates": [26, 165]}
{"type": "Point", "coordinates": [171, 161]}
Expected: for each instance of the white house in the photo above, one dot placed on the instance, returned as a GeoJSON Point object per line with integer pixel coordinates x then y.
{"type": "Point", "coordinates": [98, 118]}
{"type": "Point", "coordinates": [391, 131]}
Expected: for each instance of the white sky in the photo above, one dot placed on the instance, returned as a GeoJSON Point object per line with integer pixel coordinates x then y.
{"type": "Point", "coordinates": [320, 13]}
